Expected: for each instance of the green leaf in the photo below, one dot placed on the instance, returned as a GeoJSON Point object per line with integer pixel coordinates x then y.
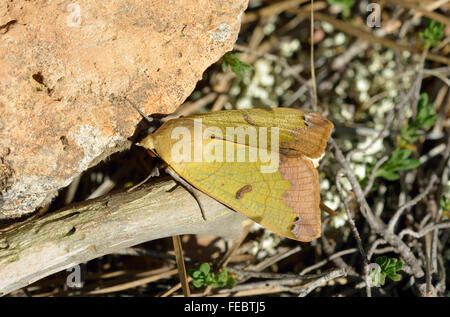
{"type": "Point", "coordinates": [237, 66]}
{"type": "Point", "coordinates": [433, 33]}
{"type": "Point", "coordinates": [388, 175]}
{"type": "Point", "coordinates": [223, 279]}
{"type": "Point", "coordinates": [204, 268]}
{"type": "Point", "coordinates": [445, 205]}
{"type": "Point", "coordinates": [395, 277]}
{"type": "Point", "coordinates": [197, 283]}
{"type": "Point", "coordinates": [424, 120]}
{"type": "Point", "coordinates": [382, 279]}
{"type": "Point", "coordinates": [230, 283]}
{"type": "Point", "coordinates": [209, 280]}
{"type": "Point", "coordinates": [399, 266]}
{"type": "Point", "coordinates": [223, 276]}
{"type": "Point", "coordinates": [381, 261]}
{"type": "Point", "coordinates": [399, 161]}
{"type": "Point", "coordinates": [203, 277]}
{"type": "Point", "coordinates": [345, 5]}
{"type": "Point", "coordinates": [388, 268]}
{"type": "Point", "coordinates": [409, 164]}
{"type": "Point", "coordinates": [424, 117]}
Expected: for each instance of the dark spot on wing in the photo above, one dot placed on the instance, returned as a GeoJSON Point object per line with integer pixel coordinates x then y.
{"type": "Point", "coordinates": [246, 189]}
{"type": "Point", "coordinates": [249, 120]}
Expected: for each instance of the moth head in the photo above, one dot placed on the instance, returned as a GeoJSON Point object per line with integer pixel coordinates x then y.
{"type": "Point", "coordinates": [148, 142]}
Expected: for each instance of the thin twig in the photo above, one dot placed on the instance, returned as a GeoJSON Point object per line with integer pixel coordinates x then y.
{"type": "Point", "coordinates": [313, 70]}
{"type": "Point", "coordinates": [280, 284]}
{"type": "Point", "coordinates": [355, 233]}
{"type": "Point", "coordinates": [374, 246]}
{"type": "Point", "coordinates": [409, 204]}
{"type": "Point", "coordinates": [178, 248]}
{"type": "Point", "coordinates": [271, 10]}
{"type": "Point", "coordinates": [373, 174]}
{"type": "Point", "coordinates": [266, 275]}
{"type": "Point", "coordinates": [323, 262]}
{"type": "Point", "coordinates": [444, 180]}
{"type": "Point", "coordinates": [331, 276]}
{"type": "Point", "coordinates": [132, 284]}
{"type": "Point", "coordinates": [418, 86]}
{"type": "Point", "coordinates": [425, 11]}
{"type": "Point", "coordinates": [424, 231]}
{"type": "Point", "coordinates": [274, 259]}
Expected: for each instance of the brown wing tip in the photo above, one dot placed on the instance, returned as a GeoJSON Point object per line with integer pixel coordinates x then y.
{"type": "Point", "coordinates": [320, 129]}
{"type": "Point", "coordinates": [316, 120]}
{"type": "Point", "coordinates": [305, 232]}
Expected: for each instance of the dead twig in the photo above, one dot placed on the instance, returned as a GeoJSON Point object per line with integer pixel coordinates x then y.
{"type": "Point", "coordinates": [330, 276]}
{"type": "Point", "coordinates": [355, 234]}
{"type": "Point", "coordinates": [87, 230]}
{"type": "Point", "coordinates": [373, 174]}
{"type": "Point", "coordinates": [178, 248]}
{"type": "Point", "coordinates": [424, 231]}
{"type": "Point", "coordinates": [410, 203]}
{"type": "Point", "coordinates": [323, 262]}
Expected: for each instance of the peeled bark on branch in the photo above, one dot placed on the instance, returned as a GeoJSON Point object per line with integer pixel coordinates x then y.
{"type": "Point", "coordinates": [87, 230]}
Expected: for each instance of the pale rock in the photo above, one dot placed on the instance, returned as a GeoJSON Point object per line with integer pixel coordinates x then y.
{"type": "Point", "coordinates": [65, 66]}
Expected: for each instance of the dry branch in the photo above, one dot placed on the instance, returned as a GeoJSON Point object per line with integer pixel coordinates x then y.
{"type": "Point", "coordinates": [84, 231]}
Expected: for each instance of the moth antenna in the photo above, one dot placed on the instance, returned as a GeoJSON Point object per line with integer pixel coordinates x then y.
{"type": "Point", "coordinates": [149, 120]}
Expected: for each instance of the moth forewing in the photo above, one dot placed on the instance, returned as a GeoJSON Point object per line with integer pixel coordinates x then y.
{"type": "Point", "coordinates": [272, 181]}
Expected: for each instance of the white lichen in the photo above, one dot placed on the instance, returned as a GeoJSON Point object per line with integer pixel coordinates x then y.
{"type": "Point", "coordinates": [93, 143]}
{"type": "Point", "coordinates": [222, 33]}
{"type": "Point", "coordinates": [27, 193]}
{"type": "Point", "coordinates": [31, 191]}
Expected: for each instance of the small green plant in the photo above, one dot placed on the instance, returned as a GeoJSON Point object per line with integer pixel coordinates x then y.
{"type": "Point", "coordinates": [445, 205]}
{"type": "Point", "coordinates": [401, 158]}
{"type": "Point", "coordinates": [433, 33]}
{"type": "Point", "coordinates": [399, 161]}
{"type": "Point", "coordinates": [388, 267]}
{"type": "Point", "coordinates": [203, 277]}
{"type": "Point", "coordinates": [424, 120]}
{"type": "Point", "coordinates": [237, 66]}
{"type": "Point", "coordinates": [345, 5]}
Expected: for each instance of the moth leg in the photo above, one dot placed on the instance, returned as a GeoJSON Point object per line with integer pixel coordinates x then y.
{"type": "Point", "coordinates": [154, 173]}
{"type": "Point", "coordinates": [188, 186]}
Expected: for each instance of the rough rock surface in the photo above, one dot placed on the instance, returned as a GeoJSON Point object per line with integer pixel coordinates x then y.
{"type": "Point", "coordinates": [63, 65]}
